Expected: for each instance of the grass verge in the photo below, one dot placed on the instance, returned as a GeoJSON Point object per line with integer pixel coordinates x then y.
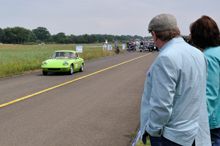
{"type": "Point", "coordinates": [20, 59]}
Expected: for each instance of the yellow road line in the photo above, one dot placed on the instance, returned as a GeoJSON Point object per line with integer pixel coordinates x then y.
{"type": "Point", "coordinates": [28, 96]}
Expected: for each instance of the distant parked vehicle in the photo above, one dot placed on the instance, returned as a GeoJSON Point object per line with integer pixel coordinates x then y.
{"type": "Point", "coordinates": [149, 46]}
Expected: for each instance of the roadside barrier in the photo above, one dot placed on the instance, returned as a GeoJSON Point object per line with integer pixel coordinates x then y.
{"type": "Point", "coordinates": [136, 138]}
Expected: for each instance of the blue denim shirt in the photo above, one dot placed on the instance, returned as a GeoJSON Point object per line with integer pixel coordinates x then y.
{"type": "Point", "coordinates": [212, 55]}
{"type": "Point", "coordinates": [174, 96]}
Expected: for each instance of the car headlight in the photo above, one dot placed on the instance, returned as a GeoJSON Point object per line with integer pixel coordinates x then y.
{"type": "Point", "coordinates": [65, 63]}
{"type": "Point", "coordinates": [44, 63]}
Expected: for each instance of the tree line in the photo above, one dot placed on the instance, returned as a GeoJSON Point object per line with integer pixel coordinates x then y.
{"type": "Point", "coordinates": [20, 35]}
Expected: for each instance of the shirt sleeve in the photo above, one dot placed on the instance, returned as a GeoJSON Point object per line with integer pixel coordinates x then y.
{"type": "Point", "coordinates": [164, 77]}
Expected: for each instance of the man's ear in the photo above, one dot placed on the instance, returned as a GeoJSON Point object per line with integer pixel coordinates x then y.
{"type": "Point", "coordinates": [154, 35]}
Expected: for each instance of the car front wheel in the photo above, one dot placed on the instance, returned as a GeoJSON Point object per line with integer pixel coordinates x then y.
{"type": "Point", "coordinates": [81, 68]}
{"type": "Point", "coordinates": [71, 70]}
{"type": "Point", "coordinates": [45, 73]}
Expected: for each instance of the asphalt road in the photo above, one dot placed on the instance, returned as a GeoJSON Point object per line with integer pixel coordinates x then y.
{"type": "Point", "coordinates": [97, 107]}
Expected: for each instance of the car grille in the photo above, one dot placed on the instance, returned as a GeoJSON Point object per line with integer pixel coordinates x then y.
{"type": "Point", "coordinates": [53, 68]}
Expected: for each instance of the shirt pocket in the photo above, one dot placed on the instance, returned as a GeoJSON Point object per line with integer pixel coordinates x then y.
{"type": "Point", "coordinates": [148, 74]}
{"type": "Point", "coordinates": [149, 78]}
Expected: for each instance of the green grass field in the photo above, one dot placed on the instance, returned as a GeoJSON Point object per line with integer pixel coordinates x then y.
{"type": "Point", "coordinates": [20, 59]}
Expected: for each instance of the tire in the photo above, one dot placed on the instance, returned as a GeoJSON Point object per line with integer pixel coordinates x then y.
{"type": "Point", "coordinates": [140, 50]}
{"type": "Point", "coordinates": [81, 68]}
{"type": "Point", "coordinates": [71, 70]}
{"type": "Point", "coordinates": [45, 73]}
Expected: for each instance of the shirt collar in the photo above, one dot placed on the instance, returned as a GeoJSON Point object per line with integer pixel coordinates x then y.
{"type": "Point", "coordinates": [164, 46]}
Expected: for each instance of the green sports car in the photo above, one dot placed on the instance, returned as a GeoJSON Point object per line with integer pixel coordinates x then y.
{"type": "Point", "coordinates": [63, 61]}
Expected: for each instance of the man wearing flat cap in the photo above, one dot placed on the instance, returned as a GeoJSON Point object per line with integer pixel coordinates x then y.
{"type": "Point", "coordinates": [173, 108]}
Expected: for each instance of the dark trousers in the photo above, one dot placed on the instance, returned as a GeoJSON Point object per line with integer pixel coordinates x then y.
{"type": "Point", "coordinates": [215, 137]}
{"type": "Point", "coordinates": [161, 141]}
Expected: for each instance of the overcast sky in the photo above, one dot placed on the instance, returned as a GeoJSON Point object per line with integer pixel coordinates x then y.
{"type": "Point", "coordinates": [116, 17]}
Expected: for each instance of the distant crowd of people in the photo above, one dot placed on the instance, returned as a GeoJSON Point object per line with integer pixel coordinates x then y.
{"type": "Point", "coordinates": [140, 44]}
{"type": "Point", "coordinates": [131, 45]}
{"type": "Point", "coordinates": [136, 43]}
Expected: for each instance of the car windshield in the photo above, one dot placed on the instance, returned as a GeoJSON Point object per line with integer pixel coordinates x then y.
{"type": "Point", "coordinates": [63, 55]}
